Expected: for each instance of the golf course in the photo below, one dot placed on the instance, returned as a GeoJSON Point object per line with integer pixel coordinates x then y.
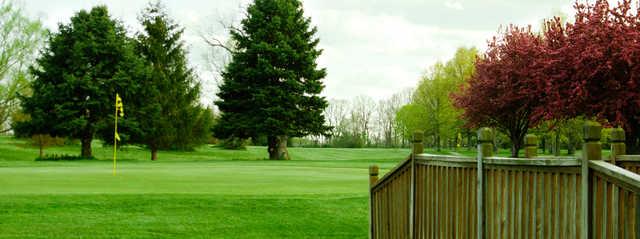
{"type": "Point", "coordinates": [212, 192]}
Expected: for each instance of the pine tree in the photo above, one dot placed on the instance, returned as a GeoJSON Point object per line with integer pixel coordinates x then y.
{"type": "Point", "coordinates": [271, 86]}
{"type": "Point", "coordinates": [77, 76]}
{"type": "Point", "coordinates": [173, 118]}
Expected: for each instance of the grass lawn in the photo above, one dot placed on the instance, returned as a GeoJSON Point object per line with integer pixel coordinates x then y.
{"type": "Point", "coordinates": [209, 193]}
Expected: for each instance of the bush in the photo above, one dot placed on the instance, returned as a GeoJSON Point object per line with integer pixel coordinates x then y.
{"type": "Point", "coordinates": [62, 157]}
{"type": "Point", "coordinates": [235, 143]}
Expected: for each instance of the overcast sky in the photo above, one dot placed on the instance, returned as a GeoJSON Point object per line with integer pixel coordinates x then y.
{"type": "Point", "coordinates": [371, 47]}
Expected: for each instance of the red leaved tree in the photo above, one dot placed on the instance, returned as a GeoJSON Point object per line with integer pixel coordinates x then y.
{"type": "Point", "coordinates": [593, 66]}
{"type": "Point", "coordinates": [508, 87]}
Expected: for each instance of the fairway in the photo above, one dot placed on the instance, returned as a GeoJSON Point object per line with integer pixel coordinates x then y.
{"type": "Point", "coordinates": [209, 193]}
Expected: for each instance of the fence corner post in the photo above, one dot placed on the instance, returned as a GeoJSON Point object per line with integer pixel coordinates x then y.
{"type": "Point", "coordinates": [418, 147]}
{"type": "Point", "coordinates": [485, 149]}
{"type": "Point", "coordinates": [530, 146]}
{"type": "Point", "coordinates": [591, 150]}
{"type": "Point", "coordinates": [373, 175]}
{"type": "Point", "coordinates": [618, 146]}
{"type": "Point", "coordinates": [373, 178]}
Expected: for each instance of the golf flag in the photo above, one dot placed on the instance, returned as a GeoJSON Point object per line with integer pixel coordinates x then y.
{"type": "Point", "coordinates": [119, 106]}
{"type": "Point", "coordinates": [116, 136]}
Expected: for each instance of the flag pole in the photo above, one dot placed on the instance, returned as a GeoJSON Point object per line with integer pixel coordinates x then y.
{"type": "Point", "coordinates": [115, 140]}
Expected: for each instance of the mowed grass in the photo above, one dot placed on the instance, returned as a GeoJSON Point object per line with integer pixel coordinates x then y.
{"type": "Point", "coordinates": [208, 193]}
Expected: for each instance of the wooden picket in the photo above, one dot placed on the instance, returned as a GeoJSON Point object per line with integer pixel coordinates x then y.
{"type": "Point", "coordinates": [435, 196]}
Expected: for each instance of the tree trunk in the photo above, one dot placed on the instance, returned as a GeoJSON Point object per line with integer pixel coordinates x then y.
{"type": "Point", "coordinates": [437, 142]}
{"type": "Point", "coordinates": [516, 143]}
{"type": "Point", "coordinates": [278, 147]}
{"type": "Point", "coordinates": [556, 144]}
{"type": "Point", "coordinates": [631, 141]}
{"type": "Point", "coordinates": [571, 148]}
{"type": "Point", "coordinates": [86, 146]}
{"type": "Point", "coordinates": [154, 153]}
{"type": "Point", "coordinates": [544, 144]}
{"type": "Point", "coordinates": [41, 144]}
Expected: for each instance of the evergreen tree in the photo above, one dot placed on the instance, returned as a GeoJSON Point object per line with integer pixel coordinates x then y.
{"type": "Point", "coordinates": [271, 86]}
{"type": "Point", "coordinates": [77, 76]}
{"type": "Point", "coordinates": [173, 118]}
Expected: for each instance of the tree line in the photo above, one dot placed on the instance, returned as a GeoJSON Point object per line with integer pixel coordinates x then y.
{"type": "Point", "coordinates": [86, 62]}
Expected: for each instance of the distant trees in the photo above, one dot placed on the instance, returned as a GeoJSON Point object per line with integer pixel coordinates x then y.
{"type": "Point", "coordinates": [361, 122]}
{"type": "Point", "coordinates": [20, 40]}
{"type": "Point", "coordinates": [271, 86]}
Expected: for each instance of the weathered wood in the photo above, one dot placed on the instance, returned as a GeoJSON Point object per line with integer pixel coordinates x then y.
{"type": "Point", "coordinates": [373, 174]}
{"type": "Point", "coordinates": [485, 149]}
{"type": "Point", "coordinates": [591, 150]}
{"type": "Point", "coordinates": [624, 178]}
{"type": "Point", "coordinates": [530, 146]}
{"type": "Point", "coordinates": [373, 178]}
{"type": "Point", "coordinates": [618, 147]}
{"type": "Point", "coordinates": [418, 148]}
{"type": "Point", "coordinates": [531, 162]}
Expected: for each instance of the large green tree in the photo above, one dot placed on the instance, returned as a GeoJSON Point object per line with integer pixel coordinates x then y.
{"type": "Point", "coordinates": [271, 86]}
{"type": "Point", "coordinates": [172, 117]}
{"type": "Point", "coordinates": [78, 74]}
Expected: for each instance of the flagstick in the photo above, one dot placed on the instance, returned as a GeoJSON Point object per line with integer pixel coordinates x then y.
{"type": "Point", "coordinates": [115, 140]}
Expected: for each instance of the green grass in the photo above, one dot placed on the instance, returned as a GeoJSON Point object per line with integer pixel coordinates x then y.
{"type": "Point", "coordinates": [208, 193]}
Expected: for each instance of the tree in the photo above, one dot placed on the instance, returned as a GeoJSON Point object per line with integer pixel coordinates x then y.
{"type": "Point", "coordinates": [594, 66]}
{"type": "Point", "coordinates": [507, 89]}
{"type": "Point", "coordinates": [77, 76]}
{"type": "Point", "coordinates": [362, 110]}
{"type": "Point", "coordinates": [432, 94]}
{"type": "Point", "coordinates": [271, 86]}
{"type": "Point", "coordinates": [19, 40]}
{"type": "Point", "coordinates": [172, 117]}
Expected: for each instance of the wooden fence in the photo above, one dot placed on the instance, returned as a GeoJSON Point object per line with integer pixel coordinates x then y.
{"type": "Point", "coordinates": [434, 196]}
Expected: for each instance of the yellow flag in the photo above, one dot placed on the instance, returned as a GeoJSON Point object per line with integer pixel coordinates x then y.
{"type": "Point", "coordinates": [116, 138]}
{"type": "Point", "coordinates": [119, 106]}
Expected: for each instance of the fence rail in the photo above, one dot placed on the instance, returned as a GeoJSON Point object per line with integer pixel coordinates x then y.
{"type": "Point", "coordinates": [435, 196]}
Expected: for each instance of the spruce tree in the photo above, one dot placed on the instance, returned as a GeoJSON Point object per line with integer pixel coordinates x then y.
{"type": "Point", "coordinates": [77, 76]}
{"type": "Point", "coordinates": [173, 118]}
{"type": "Point", "coordinates": [271, 86]}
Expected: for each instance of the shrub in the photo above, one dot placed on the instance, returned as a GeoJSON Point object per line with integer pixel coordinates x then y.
{"type": "Point", "coordinates": [235, 143]}
{"type": "Point", "coordinates": [63, 157]}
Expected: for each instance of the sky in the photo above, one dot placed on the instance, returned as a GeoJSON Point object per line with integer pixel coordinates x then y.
{"type": "Point", "coordinates": [371, 47]}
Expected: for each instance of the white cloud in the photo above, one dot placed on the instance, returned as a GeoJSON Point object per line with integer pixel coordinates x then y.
{"type": "Point", "coordinates": [454, 5]}
{"type": "Point", "coordinates": [373, 48]}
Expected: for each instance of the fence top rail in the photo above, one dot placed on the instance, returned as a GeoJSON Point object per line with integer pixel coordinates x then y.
{"type": "Point", "coordinates": [546, 161]}
{"type": "Point", "coordinates": [445, 158]}
{"type": "Point", "coordinates": [628, 158]}
{"type": "Point", "coordinates": [389, 174]}
{"type": "Point", "coordinates": [620, 175]}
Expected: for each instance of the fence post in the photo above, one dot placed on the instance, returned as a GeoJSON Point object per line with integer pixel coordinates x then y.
{"type": "Point", "coordinates": [617, 144]}
{"type": "Point", "coordinates": [373, 175]}
{"type": "Point", "coordinates": [373, 178]}
{"type": "Point", "coordinates": [418, 148]}
{"type": "Point", "coordinates": [530, 146]}
{"type": "Point", "coordinates": [591, 150]}
{"type": "Point", "coordinates": [485, 149]}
